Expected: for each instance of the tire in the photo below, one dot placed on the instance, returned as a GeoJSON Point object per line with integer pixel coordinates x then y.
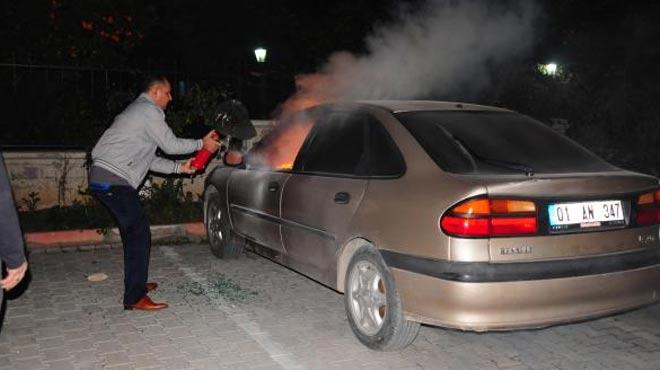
{"type": "Point", "coordinates": [222, 240]}
{"type": "Point", "coordinates": [373, 305]}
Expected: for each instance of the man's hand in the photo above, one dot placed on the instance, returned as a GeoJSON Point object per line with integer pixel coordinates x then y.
{"type": "Point", "coordinates": [187, 167]}
{"type": "Point", "coordinates": [14, 276]}
{"type": "Point", "coordinates": [210, 141]}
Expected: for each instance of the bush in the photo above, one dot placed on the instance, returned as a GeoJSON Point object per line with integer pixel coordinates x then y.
{"type": "Point", "coordinates": [167, 204]}
{"type": "Point", "coordinates": [164, 204]}
{"type": "Point", "coordinates": [78, 216]}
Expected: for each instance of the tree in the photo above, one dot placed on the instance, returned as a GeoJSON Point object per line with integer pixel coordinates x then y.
{"type": "Point", "coordinates": [75, 32]}
{"type": "Point", "coordinates": [606, 88]}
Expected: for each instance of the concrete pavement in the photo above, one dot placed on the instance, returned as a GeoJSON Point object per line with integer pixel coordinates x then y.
{"type": "Point", "coordinates": [251, 313]}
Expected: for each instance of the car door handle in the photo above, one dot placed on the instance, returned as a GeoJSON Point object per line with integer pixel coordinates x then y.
{"type": "Point", "coordinates": [342, 197]}
{"type": "Point", "coordinates": [273, 186]}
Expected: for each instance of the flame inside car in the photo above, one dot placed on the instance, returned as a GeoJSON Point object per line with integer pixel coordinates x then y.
{"type": "Point", "coordinates": [281, 147]}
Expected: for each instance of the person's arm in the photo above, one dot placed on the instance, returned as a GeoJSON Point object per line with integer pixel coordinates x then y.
{"type": "Point", "coordinates": [164, 137]}
{"type": "Point", "coordinates": [162, 165]}
{"type": "Point", "coordinates": [11, 238]}
{"type": "Point", "coordinates": [165, 166]}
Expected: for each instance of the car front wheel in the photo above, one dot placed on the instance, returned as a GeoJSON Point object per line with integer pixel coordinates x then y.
{"type": "Point", "coordinates": [373, 305]}
{"type": "Point", "coordinates": [223, 242]}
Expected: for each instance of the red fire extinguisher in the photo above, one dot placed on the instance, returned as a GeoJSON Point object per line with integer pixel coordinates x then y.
{"type": "Point", "coordinates": [203, 155]}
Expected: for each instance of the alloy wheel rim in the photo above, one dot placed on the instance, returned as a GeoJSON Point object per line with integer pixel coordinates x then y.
{"type": "Point", "coordinates": [367, 297]}
{"type": "Point", "coordinates": [215, 224]}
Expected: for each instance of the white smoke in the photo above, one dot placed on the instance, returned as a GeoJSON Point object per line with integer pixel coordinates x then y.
{"type": "Point", "coordinates": [443, 48]}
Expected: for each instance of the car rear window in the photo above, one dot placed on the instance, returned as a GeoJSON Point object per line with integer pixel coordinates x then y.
{"type": "Point", "coordinates": [497, 143]}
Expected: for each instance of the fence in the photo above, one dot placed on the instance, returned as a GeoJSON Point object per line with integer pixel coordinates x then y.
{"type": "Point", "coordinates": [92, 82]}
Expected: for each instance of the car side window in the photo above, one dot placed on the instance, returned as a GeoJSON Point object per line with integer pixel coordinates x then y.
{"type": "Point", "coordinates": [337, 146]}
{"type": "Point", "coordinates": [385, 159]}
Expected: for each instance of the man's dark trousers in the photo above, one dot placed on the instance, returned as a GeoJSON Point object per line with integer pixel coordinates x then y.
{"type": "Point", "coordinates": [124, 204]}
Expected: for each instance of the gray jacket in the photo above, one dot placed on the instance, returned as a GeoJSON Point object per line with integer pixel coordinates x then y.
{"type": "Point", "coordinates": [128, 147]}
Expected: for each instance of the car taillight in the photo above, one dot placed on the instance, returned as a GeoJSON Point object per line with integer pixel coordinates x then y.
{"type": "Point", "coordinates": [648, 208]}
{"type": "Point", "coordinates": [485, 217]}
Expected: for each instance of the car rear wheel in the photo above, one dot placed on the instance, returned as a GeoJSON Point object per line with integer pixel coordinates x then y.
{"type": "Point", "coordinates": [373, 305]}
{"type": "Point", "coordinates": [222, 240]}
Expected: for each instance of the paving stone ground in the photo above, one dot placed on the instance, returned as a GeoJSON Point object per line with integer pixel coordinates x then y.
{"type": "Point", "coordinates": [278, 319]}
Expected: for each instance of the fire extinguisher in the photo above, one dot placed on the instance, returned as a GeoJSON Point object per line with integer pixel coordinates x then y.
{"type": "Point", "coordinates": [203, 155]}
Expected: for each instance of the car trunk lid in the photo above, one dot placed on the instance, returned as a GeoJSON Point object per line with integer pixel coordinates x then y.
{"type": "Point", "coordinates": [558, 237]}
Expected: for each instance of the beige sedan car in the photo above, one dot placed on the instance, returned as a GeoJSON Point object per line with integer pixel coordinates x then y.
{"type": "Point", "coordinates": [455, 215]}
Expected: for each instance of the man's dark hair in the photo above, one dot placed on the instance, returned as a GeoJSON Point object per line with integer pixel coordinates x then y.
{"type": "Point", "coordinates": [152, 80]}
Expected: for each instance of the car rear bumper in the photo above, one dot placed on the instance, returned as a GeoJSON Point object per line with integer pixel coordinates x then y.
{"type": "Point", "coordinates": [526, 303]}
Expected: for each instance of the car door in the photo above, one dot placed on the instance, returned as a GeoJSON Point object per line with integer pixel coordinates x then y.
{"type": "Point", "coordinates": [254, 205]}
{"type": "Point", "coordinates": [255, 192]}
{"type": "Point", "coordinates": [323, 193]}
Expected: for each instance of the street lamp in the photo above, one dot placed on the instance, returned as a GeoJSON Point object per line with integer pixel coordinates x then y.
{"type": "Point", "coordinates": [260, 54]}
{"type": "Point", "coordinates": [549, 69]}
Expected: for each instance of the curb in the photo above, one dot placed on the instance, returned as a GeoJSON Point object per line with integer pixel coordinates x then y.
{"type": "Point", "coordinates": [91, 237]}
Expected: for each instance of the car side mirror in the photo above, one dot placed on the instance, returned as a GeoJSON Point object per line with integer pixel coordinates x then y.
{"type": "Point", "coordinates": [233, 158]}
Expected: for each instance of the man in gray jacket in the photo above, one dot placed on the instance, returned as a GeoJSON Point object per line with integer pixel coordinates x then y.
{"type": "Point", "coordinates": [121, 160]}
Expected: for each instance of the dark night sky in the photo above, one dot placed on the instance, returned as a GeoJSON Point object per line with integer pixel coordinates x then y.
{"type": "Point", "coordinates": [298, 34]}
{"type": "Point", "coordinates": [205, 35]}
{"type": "Point", "coordinates": [301, 34]}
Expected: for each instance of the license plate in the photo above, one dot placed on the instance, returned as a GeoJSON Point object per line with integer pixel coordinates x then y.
{"type": "Point", "coordinates": [585, 215]}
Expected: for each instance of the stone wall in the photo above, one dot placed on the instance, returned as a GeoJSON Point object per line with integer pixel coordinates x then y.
{"type": "Point", "coordinates": [58, 177]}
{"type": "Point", "coordinates": [55, 177]}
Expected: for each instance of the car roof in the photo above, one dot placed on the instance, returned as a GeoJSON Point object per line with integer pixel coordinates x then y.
{"type": "Point", "coordinates": [397, 106]}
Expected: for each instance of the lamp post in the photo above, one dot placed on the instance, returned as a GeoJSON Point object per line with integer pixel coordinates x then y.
{"type": "Point", "coordinates": [260, 55]}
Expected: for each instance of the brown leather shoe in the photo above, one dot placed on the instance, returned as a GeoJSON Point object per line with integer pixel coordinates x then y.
{"type": "Point", "coordinates": [145, 303]}
{"type": "Point", "coordinates": [151, 286]}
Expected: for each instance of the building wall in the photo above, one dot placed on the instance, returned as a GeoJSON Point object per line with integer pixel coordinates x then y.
{"type": "Point", "coordinates": [59, 177]}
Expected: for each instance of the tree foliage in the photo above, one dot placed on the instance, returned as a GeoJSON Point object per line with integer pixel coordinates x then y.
{"type": "Point", "coordinates": [99, 33]}
{"type": "Point", "coordinates": [607, 85]}
{"type": "Point", "coordinates": [193, 113]}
